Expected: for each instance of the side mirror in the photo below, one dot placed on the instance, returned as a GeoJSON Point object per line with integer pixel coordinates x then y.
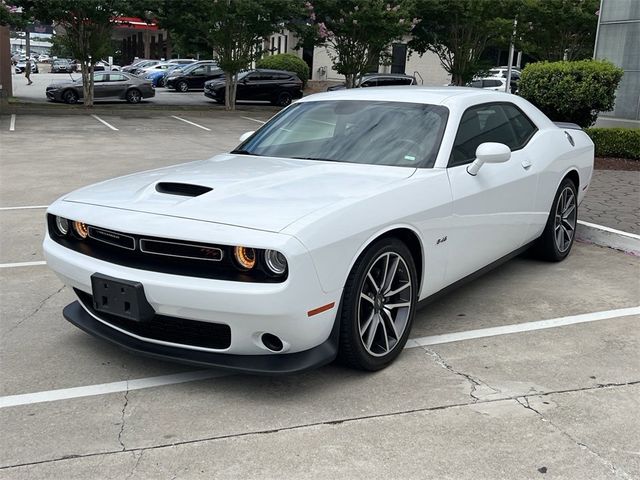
{"type": "Point", "coordinates": [489, 152]}
{"type": "Point", "coordinates": [246, 135]}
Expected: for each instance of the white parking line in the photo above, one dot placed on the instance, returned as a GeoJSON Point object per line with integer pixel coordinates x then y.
{"type": "Point", "coordinates": [609, 229]}
{"type": "Point", "coordinates": [521, 327]}
{"type": "Point", "coordinates": [105, 123]}
{"type": "Point", "coordinates": [22, 264]}
{"type": "Point", "coordinates": [28, 207]}
{"type": "Point", "coordinates": [191, 123]}
{"type": "Point", "coordinates": [162, 380]}
{"type": "Point", "coordinates": [12, 123]}
{"type": "Point", "coordinates": [254, 120]}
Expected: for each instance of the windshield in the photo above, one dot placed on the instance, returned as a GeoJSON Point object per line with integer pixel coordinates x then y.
{"type": "Point", "coordinates": [353, 131]}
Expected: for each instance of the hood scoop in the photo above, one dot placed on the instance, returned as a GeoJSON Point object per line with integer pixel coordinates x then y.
{"type": "Point", "coordinates": [182, 189]}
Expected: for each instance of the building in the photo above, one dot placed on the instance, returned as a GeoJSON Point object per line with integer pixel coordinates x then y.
{"type": "Point", "coordinates": [618, 40]}
{"type": "Point", "coordinates": [140, 39]}
{"type": "Point", "coordinates": [426, 68]}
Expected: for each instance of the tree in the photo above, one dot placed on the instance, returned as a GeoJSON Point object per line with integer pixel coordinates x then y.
{"type": "Point", "coordinates": [558, 29]}
{"type": "Point", "coordinates": [234, 29]}
{"type": "Point", "coordinates": [85, 28]}
{"type": "Point", "coordinates": [358, 33]}
{"type": "Point", "coordinates": [458, 31]}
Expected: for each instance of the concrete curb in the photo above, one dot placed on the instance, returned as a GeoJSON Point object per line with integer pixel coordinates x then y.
{"type": "Point", "coordinates": [608, 237]}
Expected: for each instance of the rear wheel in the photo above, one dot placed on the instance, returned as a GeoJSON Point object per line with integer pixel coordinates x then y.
{"type": "Point", "coordinates": [378, 306]}
{"type": "Point", "coordinates": [134, 96]}
{"type": "Point", "coordinates": [70, 97]}
{"type": "Point", "coordinates": [284, 99]}
{"type": "Point", "coordinates": [182, 86]}
{"type": "Point", "coordinates": [559, 233]}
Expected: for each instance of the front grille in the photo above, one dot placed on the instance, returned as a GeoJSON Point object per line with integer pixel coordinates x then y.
{"type": "Point", "coordinates": [166, 255]}
{"type": "Point", "coordinates": [216, 336]}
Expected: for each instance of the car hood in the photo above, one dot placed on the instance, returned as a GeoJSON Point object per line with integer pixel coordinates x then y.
{"type": "Point", "coordinates": [262, 193]}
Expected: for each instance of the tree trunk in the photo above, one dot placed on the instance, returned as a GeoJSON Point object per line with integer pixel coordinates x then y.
{"type": "Point", "coordinates": [231, 82]}
{"type": "Point", "coordinates": [350, 80]}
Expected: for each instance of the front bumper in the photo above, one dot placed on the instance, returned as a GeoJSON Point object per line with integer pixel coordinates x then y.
{"type": "Point", "coordinates": [256, 364]}
{"type": "Point", "coordinates": [250, 309]}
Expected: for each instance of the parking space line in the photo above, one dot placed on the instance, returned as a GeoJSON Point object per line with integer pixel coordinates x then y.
{"type": "Point", "coordinates": [521, 327]}
{"type": "Point", "coordinates": [22, 264]}
{"type": "Point", "coordinates": [105, 388]}
{"type": "Point", "coordinates": [12, 123]}
{"type": "Point", "coordinates": [105, 123]}
{"type": "Point", "coordinates": [254, 120]}
{"type": "Point", "coordinates": [172, 379]}
{"type": "Point", "coordinates": [28, 207]}
{"type": "Point", "coordinates": [191, 123]}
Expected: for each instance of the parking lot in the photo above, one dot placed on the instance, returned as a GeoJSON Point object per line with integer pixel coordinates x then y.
{"type": "Point", "coordinates": [531, 371]}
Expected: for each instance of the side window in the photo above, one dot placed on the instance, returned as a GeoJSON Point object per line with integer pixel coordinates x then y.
{"type": "Point", "coordinates": [198, 70]}
{"type": "Point", "coordinates": [476, 84]}
{"type": "Point", "coordinates": [99, 77]}
{"type": "Point", "coordinates": [117, 77]}
{"type": "Point", "coordinates": [484, 123]}
{"type": "Point", "coordinates": [370, 83]}
{"type": "Point", "coordinates": [523, 128]}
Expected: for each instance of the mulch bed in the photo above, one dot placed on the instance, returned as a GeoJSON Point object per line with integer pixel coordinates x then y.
{"type": "Point", "coordinates": [608, 163]}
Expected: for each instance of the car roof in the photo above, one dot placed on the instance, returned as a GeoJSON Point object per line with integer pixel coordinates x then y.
{"type": "Point", "coordinates": [392, 75]}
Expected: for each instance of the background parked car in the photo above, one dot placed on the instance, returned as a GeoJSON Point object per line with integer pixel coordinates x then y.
{"type": "Point", "coordinates": [22, 65]}
{"type": "Point", "coordinates": [107, 86]}
{"type": "Point", "coordinates": [157, 75]}
{"type": "Point", "coordinates": [193, 76]}
{"type": "Point", "coordinates": [139, 65]}
{"type": "Point", "coordinates": [276, 86]}
{"type": "Point", "coordinates": [62, 65]}
{"type": "Point", "coordinates": [489, 83]}
{"type": "Point", "coordinates": [379, 80]}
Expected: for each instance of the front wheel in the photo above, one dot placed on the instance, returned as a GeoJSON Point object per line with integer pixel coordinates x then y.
{"type": "Point", "coordinates": [559, 233]}
{"type": "Point", "coordinates": [182, 86]}
{"type": "Point", "coordinates": [378, 306]}
{"type": "Point", "coordinates": [70, 97]}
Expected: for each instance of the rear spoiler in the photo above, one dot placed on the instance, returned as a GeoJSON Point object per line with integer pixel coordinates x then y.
{"type": "Point", "coordinates": [567, 125]}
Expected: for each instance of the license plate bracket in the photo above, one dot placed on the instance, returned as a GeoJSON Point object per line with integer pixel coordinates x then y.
{"type": "Point", "coordinates": [122, 298]}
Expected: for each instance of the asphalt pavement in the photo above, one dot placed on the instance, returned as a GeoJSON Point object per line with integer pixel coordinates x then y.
{"type": "Point", "coordinates": [531, 371]}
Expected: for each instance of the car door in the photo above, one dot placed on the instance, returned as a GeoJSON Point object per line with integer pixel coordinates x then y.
{"type": "Point", "coordinates": [197, 77]}
{"type": "Point", "coordinates": [250, 87]}
{"type": "Point", "coordinates": [492, 211]}
{"type": "Point", "coordinates": [117, 86]}
{"type": "Point", "coordinates": [100, 85]}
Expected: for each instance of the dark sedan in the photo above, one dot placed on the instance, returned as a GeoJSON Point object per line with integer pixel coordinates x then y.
{"type": "Point", "coordinates": [107, 86]}
{"type": "Point", "coordinates": [276, 86]}
{"type": "Point", "coordinates": [193, 76]}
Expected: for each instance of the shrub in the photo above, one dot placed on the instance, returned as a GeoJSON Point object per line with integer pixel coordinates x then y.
{"type": "Point", "coordinates": [616, 142]}
{"type": "Point", "coordinates": [571, 91]}
{"type": "Point", "coordinates": [288, 62]}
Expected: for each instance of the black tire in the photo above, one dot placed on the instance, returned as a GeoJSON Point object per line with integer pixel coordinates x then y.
{"type": "Point", "coordinates": [70, 97]}
{"type": "Point", "coordinates": [554, 244]}
{"type": "Point", "coordinates": [352, 349]}
{"type": "Point", "coordinates": [161, 82]}
{"type": "Point", "coordinates": [134, 96]}
{"type": "Point", "coordinates": [182, 86]}
{"type": "Point", "coordinates": [284, 99]}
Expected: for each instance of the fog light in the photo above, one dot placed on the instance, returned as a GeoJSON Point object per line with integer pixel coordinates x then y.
{"type": "Point", "coordinates": [81, 229]}
{"type": "Point", "coordinates": [62, 224]}
{"type": "Point", "coordinates": [246, 257]}
{"type": "Point", "coordinates": [275, 261]}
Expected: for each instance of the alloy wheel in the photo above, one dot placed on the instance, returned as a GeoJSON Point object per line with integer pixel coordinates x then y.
{"type": "Point", "coordinates": [134, 96]}
{"type": "Point", "coordinates": [564, 225]}
{"type": "Point", "coordinates": [384, 306]}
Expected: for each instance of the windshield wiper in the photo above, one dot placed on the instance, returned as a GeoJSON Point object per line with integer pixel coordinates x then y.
{"type": "Point", "coordinates": [240, 151]}
{"type": "Point", "coordinates": [316, 158]}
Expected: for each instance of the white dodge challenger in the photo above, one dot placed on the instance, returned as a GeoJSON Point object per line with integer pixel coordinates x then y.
{"type": "Point", "coordinates": [318, 236]}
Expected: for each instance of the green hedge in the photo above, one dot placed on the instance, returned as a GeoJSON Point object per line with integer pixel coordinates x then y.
{"type": "Point", "coordinates": [288, 62]}
{"type": "Point", "coordinates": [571, 91]}
{"type": "Point", "coordinates": [616, 142]}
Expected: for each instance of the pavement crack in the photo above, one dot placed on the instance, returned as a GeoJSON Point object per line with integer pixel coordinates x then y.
{"type": "Point", "coordinates": [122, 421]}
{"type": "Point", "coordinates": [473, 381]}
{"type": "Point", "coordinates": [135, 466]}
{"type": "Point", "coordinates": [35, 311]}
{"type": "Point", "coordinates": [619, 473]}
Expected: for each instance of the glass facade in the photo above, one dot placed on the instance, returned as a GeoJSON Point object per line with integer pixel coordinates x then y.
{"type": "Point", "coordinates": [618, 41]}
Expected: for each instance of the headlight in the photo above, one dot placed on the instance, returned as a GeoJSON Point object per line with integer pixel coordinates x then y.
{"type": "Point", "coordinates": [81, 229]}
{"type": "Point", "coordinates": [62, 224]}
{"type": "Point", "coordinates": [246, 257]}
{"type": "Point", "coordinates": [276, 262]}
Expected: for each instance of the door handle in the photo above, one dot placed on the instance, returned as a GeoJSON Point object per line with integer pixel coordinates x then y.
{"type": "Point", "coordinates": [526, 164]}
